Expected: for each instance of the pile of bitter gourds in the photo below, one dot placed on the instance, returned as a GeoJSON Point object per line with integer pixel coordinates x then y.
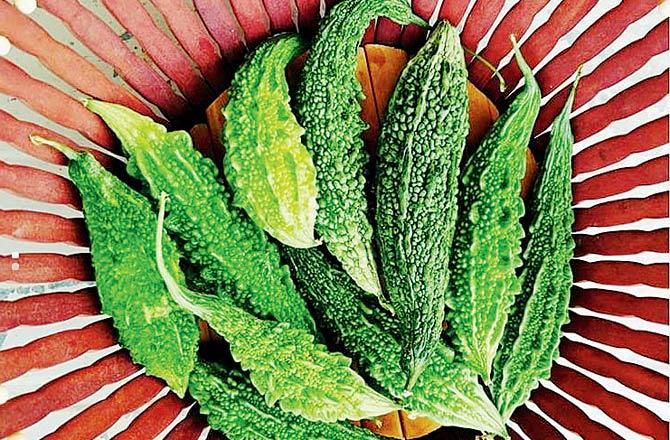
{"type": "Point", "coordinates": [285, 238]}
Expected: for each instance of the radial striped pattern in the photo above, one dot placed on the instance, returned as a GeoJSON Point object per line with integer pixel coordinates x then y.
{"type": "Point", "coordinates": [63, 376]}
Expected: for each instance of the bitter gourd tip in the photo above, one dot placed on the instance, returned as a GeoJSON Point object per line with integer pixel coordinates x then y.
{"type": "Point", "coordinates": [523, 66]}
{"type": "Point", "coordinates": [67, 151]}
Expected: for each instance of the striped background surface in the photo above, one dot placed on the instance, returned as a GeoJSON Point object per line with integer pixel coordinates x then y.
{"type": "Point", "coordinates": [62, 374]}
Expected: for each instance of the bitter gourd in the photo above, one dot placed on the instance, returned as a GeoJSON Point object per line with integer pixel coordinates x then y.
{"type": "Point", "coordinates": [121, 225]}
{"type": "Point", "coordinates": [235, 408]}
{"type": "Point", "coordinates": [328, 108]}
{"type": "Point", "coordinates": [447, 391]}
{"type": "Point", "coordinates": [270, 171]}
{"type": "Point", "coordinates": [231, 252]}
{"type": "Point", "coordinates": [420, 149]}
{"type": "Point", "coordinates": [487, 241]}
{"type": "Point", "coordinates": [530, 342]}
{"type": "Point", "coordinates": [284, 363]}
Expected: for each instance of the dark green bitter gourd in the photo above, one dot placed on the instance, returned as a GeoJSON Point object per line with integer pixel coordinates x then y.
{"type": "Point", "coordinates": [420, 149]}
{"type": "Point", "coordinates": [487, 241]}
{"type": "Point", "coordinates": [269, 169]}
{"type": "Point", "coordinates": [447, 391]}
{"type": "Point", "coordinates": [328, 105]}
{"type": "Point", "coordinates": [235, 408]}
{"type": "Point", "coordinates": [232, 254]}
{"type": "Point", "coordinates": [530, 342]}
{"type": "Point", "coordinates": [121, 224]}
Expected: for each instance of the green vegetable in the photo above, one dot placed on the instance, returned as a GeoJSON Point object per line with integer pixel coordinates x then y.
{"type": "Point", "coordinates": [328, 108]}
{"type": "Point", "coordinates": [530, 342]}
{"type": "Point", "coordinates": [121, 224]}
{"type": "Point", "coordinates": [235, 408]}
{"type": "Point", "coordinates": [487, 241]}
{"type": "Point", "coordinates": [231, 252]}
{"type": "Point", "coordinates": [447, 391]}
{"type": "Point", "coordinates": [285, 363]}
{"type": "Point", "coordinates": [270, 170]}
{"type": "Point", "coordinates": [420, 149]}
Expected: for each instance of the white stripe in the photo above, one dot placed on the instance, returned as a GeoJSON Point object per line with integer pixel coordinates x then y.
{"type": "Point", "coordinates": [25, 334]}
{"type": "Point", "coordinates": [633, 32]}
{"type": "Point", "coordinates": [57, 418]}
{"type": "Point", "coordinates": [181, 416]}
{"type": "Point", "coordinates": [645, 224]}
{"type": "Point", "coordinates": [12, 291]}
{"type": "Point", "coordinates": [123, 422]}
{"type": "Point", "coordinates": [625, 125]}
{"type": "Point", "coordinates": [566, 433]}
{"type": "Point", "coordinates": [645, 257]}
{"type": "Point", "coordinates": [507, 6]}
{"type": "Point", "coordinates": [34, 379]}
{"type": "Point", "coordinates": [636, 290]}
{"type": "Point", "coordinates": [631, 161]}
{"type": "Point", "coordinates": [623, 354]}
{"type": "Point", "coordinates": [596, 414]}
{"type": "Point", "coordinates": [436, 13]}
{"type": "Point", "coordinates": [13, 156]}
{"type": "Point", "coordinates": [631, 322]}
{"type": "Point", "coordinates": [10, 245]}
{"type": "Point", "coordinates": [658, 407]}
{"type": "Point", "coordinates": [466, 14]}
{"type": "Point", "coordinates": [205, 433]}
{"type": "Point", "coordinates": [10, 201]}
{"type": "Point", "coordinates": [639, 192]}
{"type": "Point", "coordinates": [516, 428]}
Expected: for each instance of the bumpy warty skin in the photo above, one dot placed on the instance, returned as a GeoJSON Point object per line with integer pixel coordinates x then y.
{"type": "Point", "coordinates": [420, 149]}
{"type": "Point", "coordinates": [328, 108]}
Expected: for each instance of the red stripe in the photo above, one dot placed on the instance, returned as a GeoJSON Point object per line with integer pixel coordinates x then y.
{"type": "Point", "coordinates": [38, 185]}
{"type": "Point", "coordinates": [622, 211]}
{"type": "Point", "coordinates": [101, 416]}
{"type": "Point", "coordinates": [189, 429]}
{"type": "Point", "coordinates": [621, 273]}
{"type": "Point", "coordinates": [42, 227]}
{"type": "Point", "coordinates": [192, 34]}
{"type": "Point", "coordinates": [17, 133]}
{"type": "Point", "coordinates": [152, 421]}
{"type": "Point", "coordinates": [589, 44]}
{"type": "Point", "coordinates": [636, 377]}
{"type": "Point", "coordinates": [44, 268]}
{"type": "Point", "coordinates": [622, 180]}
{"type": "Point", "coordinates": [104, 42]}
{"type": "Point", "coordinates": [223, 26]}
{"type": "Point", "coordinates": [534, 426]}
{"type": "Point", "coordinates": [614, 69]}
{"type": "Point", "coordinates": [478, 23]}
{"type": "Point", "coordinates": [55, 349]}
{"type": "Point", "coordinates": [308, 14]}
{"type": "Point", "coordinates": [622, 242]}
{"type": "Point", "coordinates": [626, 412]}
{"type": "Point", "coordinates": [67, 64]}
{"type": "Point", "coordinates": [52, 103]}
{"type": "Point", "coordinates": [621, 304]}
{"type": "Point", "coordinates": [453, 11]}
{"type": "Point", "coordinates": [388, 32]}
{"type": "Point", "coordinates": [47, 309]}
{"type": "Point", "coordinates": [516, 22]}
{"type": "Point", "coordinates": [369, 35]}
{"type": "Point", "coordinates": [605, 153]}
{"type": "Point", "coordinates": [254, 20]}
{"type": "Point", "coordinates": [564, 18]}
{"type": "Point", "coordinates": [651, 345]}
{"type": "Point", "coordinates": [414, 36]}
{"type": "Point", "coordinates": [569, 416]}
{"type": "Point", "coordinates": [28, 409]}
{"type": "Point", "coordinates": [279, 12]}
{"type": "Point", "coordinates": [166, 54]}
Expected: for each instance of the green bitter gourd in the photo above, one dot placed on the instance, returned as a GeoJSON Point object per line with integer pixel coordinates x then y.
{"type": "Point", "coordinates": [328, 108]}
{"type": "Point", "coordinates": [121, 225]}
{"type": "Point", "coordinates": [420, 149]}
{"type": "Point", "coordinates": [284, 363]}
{"type": "Point", "coordinates": [270, 171]}
{"type": "Point", "coordinates": [231, 252]}
{"type": "Point", "coordinates": [530, 342]}
{"type": "Point", "coordinates": [487, 241]}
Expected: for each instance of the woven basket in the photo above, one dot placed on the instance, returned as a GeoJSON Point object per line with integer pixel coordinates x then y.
{"type": "Point", "coordinates": [63, 375]}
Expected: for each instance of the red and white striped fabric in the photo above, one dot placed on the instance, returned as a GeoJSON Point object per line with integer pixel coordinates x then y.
{"type": "Point", "coordinates": [62, 374]}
